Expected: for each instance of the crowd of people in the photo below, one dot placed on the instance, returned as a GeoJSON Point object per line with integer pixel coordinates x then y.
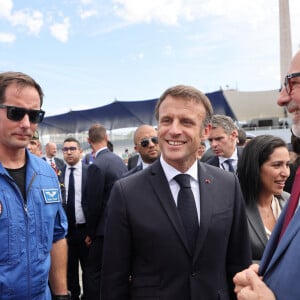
{"type": "Point", "coordinates": [179, 220]}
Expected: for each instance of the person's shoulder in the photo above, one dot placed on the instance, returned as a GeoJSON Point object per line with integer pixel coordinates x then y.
{"type": "Point", "coordinates": [38, 163]}
{"type": "Point", "coordinates": [283, 198]}
{"type": "Point", "coordinates": [209, 169]}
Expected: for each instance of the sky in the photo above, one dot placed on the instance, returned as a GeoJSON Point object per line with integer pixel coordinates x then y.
{"type": "Point", "coordinates": [89, 53]}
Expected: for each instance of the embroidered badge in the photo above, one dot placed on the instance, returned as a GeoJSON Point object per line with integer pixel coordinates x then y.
{"type": "Point", "coordinates": [51, 195]}
{"type": "Point", "coordinates": [0, 208]}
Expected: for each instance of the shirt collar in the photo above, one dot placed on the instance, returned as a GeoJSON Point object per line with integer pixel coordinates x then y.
{"type": "Point", "coordinates": [171, 172]}
{"type": "Point", "coordinates": [234, 156]}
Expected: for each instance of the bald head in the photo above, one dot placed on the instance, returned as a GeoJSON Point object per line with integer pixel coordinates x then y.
{"type": "Point", "coordinates": [145, 141]}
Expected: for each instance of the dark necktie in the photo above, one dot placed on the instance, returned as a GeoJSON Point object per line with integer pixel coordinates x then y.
{"type": "Point", "coordinates": [293, 202]}
{"type": "Point", "coordinates": [229, 163]}
{"type": "Point", "coordinates": [187, 209]}
{"type": "Point", "coordinates": [71, 199]}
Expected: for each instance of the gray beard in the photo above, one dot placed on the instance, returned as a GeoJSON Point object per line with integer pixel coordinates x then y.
{"type": "Point", "coordinates": [296, 129]}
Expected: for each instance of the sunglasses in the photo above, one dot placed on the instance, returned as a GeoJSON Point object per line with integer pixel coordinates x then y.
{"type": "Point", "coordinates": [14, 113]}
{"type": "Point", "coordinates": [66, 149]}
{"type": "Point", "coordinates": [146, 141]}
{"type": "Point", "coordinates": [288, 83]}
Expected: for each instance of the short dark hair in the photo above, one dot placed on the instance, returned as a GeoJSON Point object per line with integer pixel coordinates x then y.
{"type": "Point", "coordinates": [72, 139]}
{"type": "Point", "coordinates": [189, 93]}
{"type": "Point", "coordinates": [97, 133]}
{"type": "Point", "coordinates": [21, 80]}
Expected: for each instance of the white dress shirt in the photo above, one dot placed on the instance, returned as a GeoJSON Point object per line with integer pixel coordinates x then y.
{"type": "Point", "coordinates": [171, 172]}
{"type": "Point", "coordinates": [234, 162]}
{"type": "Point", "coordinates": [79, 215]}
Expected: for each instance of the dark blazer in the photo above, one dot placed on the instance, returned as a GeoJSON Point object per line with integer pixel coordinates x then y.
{"type": "Point", "coordinates": [137, 168]}
{"type": "Point", "coordinates": [280, 264]}
{"type": "Point", "coordinates": [83, 187]}
{"type": "Point", "coordinates": [58, 162]}
{"type": "Point", "coordinates": [146, 253]}
{"type": "Point", "coordinates": [257, 230]}
{"type": "Point", "coordinates": [214, 160]}
{"type": "Point", "coordinates": [132, 161]}
{"type": "Point", "coordinates": [105, 170]}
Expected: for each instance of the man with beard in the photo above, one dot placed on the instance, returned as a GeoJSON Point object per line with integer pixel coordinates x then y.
{"type": "Point", "coordinates": [280, 265]}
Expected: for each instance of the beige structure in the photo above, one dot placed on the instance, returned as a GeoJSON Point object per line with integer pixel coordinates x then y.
{"type": "Point", "coordinates": [285, 37]}
{"type": "Point", "coordinates": [252, 105]}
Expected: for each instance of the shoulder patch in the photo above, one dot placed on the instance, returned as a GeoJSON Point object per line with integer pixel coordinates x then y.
{"type": "Point", "coordinates": [51, 195]}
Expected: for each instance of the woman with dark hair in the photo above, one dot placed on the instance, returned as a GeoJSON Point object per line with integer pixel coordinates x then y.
{"type": "Point", "coordinates": [263, 169]}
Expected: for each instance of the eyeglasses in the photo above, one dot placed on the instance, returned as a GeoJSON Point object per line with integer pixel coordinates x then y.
{"type": "Point", "coordinates": [14, 113]}
{"type": "Point", "coordinates": [146, 141]}
{"type": "Point", "coordinates": [66, 149]}
{"type": "Point", "coordinates": [288, 83]}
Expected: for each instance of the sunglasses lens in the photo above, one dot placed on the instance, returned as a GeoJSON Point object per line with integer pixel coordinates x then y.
{"type": "Point", "coordinates": [36, 116]}
{"type": "Point", "coordinates": [154, 140]}
{"type": "Point", "coordinates": [15, 113]}
{"type": "Point", "coordinates": [145, 143]}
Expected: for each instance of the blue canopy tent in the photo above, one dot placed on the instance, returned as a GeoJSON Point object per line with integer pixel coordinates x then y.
{"type": "Point", "coordinates": [119, 114]}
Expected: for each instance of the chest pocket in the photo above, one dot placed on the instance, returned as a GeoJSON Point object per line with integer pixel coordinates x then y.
{"type": "Point", "coordinates": [11, 237]}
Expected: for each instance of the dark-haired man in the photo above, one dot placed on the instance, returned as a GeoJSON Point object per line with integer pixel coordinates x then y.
{"type": "Point", "coordinates": [33, 224]}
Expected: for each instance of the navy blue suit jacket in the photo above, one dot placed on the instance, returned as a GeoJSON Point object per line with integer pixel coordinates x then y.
{"type": "Point", "coordinates": [280, 264]}
{"type": "Point", "coordinates": [145, 239]}
{"type": "Point", "coordinates": [102, 173]}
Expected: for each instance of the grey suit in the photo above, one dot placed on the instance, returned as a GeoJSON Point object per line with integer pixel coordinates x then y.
{"type": "Point", "coordinates": [257, 230]}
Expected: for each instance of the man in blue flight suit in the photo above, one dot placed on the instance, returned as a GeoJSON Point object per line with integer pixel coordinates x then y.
{"type": "Point", "coordinates": [33, 225]}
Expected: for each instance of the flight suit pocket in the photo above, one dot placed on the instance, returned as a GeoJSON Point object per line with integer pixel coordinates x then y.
{"type": "Point", "coordinates": [10, 244]}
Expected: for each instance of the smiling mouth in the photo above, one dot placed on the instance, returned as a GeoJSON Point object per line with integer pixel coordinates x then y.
{"type": "Point", "coordinates": [175, 143]}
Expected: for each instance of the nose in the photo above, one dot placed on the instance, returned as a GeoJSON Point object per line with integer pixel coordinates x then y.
{"type": "Point", "coordinates": [175, 128]}
{"type": "Point", "coordinates": [284, 98]}
{"type": "Point", "coordinates": [25, 122]}
{"type": "Point", "coordinates": [213, 143]}
{"type": "Point", "coordinates": [285, 171]}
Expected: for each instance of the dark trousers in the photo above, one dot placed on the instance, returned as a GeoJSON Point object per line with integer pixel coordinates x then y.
{"type": "Point", "coordinates": [93, 269]}
{"type": "Point", "coordinates": [77, 253]}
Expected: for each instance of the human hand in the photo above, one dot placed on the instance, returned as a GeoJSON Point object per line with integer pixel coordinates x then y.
{"type": "Point", "coordinates": [88, 241]}
{"type": "Point", "coordinates": [256, 288]}
{"type": "Point", "coordinates": [240, 279]}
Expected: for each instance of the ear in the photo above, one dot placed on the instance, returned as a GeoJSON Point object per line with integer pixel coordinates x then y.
{"type": "Point", "coordinates": [234, 134]}
{"type": "Point", "coordinates": [205, 132]}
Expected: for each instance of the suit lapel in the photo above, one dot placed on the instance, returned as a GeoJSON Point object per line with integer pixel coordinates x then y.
{"type": "Point", "coordinates": [256, 224]}
{"type": "Point", "coordinates": [84, 177]}
{"type": "Point", "coordinates": [286, 239]}
{"type": "Point", "coordinates": [162, 190]}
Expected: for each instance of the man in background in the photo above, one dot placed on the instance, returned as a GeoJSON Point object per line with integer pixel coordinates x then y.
{"type": "Point", "coordinates": [74, 175]}
{"type": "Point", "coordinates": [223, 142]}
{"type": "Point", "coordinates": [50, 157]}
{"type": "Point", "coordinates": [35, 146]}
{"type": "Point", "coordinates": [106, 168]}
{"type": "Point", "coordinates": [146, 144]}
